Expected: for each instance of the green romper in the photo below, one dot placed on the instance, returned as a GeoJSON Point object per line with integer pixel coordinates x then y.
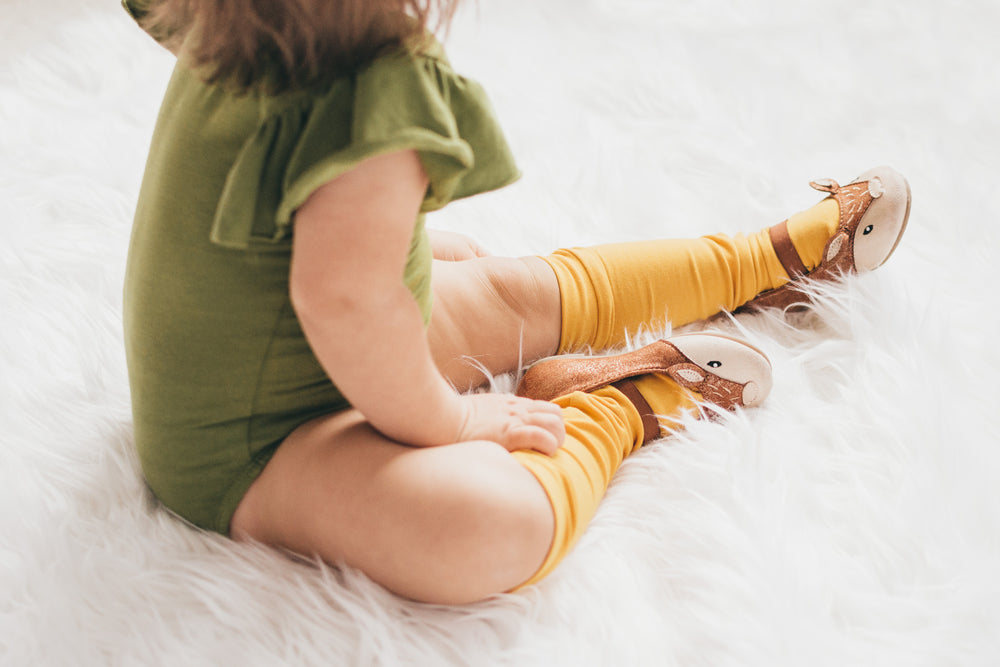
{"type": "Point", "coordinates": [219, 369]}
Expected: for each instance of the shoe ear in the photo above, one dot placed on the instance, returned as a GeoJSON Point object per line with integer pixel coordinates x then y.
{"type": "Point", "coordinates": [825, 185]}
{"type": "Point", "coordinates": [686, 375]}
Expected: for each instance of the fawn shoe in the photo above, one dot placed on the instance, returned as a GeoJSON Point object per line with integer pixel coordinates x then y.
{"type": "Point", "coordinates": [874, 209]}
{"type": "Point", "coordinates": [724, 371]}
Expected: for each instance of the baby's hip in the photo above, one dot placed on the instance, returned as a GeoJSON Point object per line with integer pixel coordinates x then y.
{"type": "Point", "coordinates": [200, 472]}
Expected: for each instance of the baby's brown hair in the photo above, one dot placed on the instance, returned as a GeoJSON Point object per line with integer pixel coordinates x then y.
{"type": "Point", "coordinates": [284, 44]}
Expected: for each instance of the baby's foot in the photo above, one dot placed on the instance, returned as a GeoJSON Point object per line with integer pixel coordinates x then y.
{"type": "Point", "coordinates": [853, 230]}
{"type": "Point", "coordinates": [661, 379]}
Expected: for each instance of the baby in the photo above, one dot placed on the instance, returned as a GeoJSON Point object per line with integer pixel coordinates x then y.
{"type": "Point", "coordinates": [294, 333]}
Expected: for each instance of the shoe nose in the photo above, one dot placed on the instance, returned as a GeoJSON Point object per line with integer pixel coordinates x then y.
{"type": "Point", "coordinates": [882, 226]}
{"type": "Point", "coordinates": [752, 395]}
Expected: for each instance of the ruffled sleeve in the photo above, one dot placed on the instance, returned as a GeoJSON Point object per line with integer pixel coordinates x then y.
{"type": "Point", "coordinates": [398, 102]}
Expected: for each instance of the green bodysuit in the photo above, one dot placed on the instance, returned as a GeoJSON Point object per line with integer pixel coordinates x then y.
{"type": "Point", "coordinates": [220, 371]}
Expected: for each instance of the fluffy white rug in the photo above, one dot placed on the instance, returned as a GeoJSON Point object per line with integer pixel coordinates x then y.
{"type": "Point", "coordinates": [853, 520]}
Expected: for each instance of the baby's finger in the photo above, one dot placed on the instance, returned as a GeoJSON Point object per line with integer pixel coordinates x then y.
{"type": "Point", "coordinates": [531, 405]}
{"type": "Point", "coordinates": [531, 437]}
{"type": "Point", "coordinates": [553, 423]}
{"type": "Point", "coordinates": [545, 415]}
{"type": "Point", "coordinates": [546, 406]}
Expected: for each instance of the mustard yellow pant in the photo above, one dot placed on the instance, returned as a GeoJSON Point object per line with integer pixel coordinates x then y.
{"type": "Point", "coordinates": [609, 292]}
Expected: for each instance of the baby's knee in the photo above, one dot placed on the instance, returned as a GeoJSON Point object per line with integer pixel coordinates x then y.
{"type": "Point", "coordinates": [503, 527]}
{"type": "Point", "coordinates": [501, 495]}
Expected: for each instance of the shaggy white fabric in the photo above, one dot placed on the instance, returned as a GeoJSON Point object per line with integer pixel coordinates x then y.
{"type": "Point", "coordinates": [852, 520]}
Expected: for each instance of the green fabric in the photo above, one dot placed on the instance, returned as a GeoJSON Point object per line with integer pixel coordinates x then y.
{"type": "Point", "coordinates": [219, 368]}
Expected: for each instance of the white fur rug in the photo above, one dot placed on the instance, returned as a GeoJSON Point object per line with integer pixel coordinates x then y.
{"type": "Point", "coordinates": [853, 520]}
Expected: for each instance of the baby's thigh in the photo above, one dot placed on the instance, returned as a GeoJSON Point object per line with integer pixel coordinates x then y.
{"type": "Point", "coordinates": [414, 519]}
{"type": "Point", "coordinates": [498, 312]}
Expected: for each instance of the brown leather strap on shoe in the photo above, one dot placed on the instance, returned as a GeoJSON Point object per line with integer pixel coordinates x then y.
{"type": "Point", "coordinates": [786, 252]}
{"type": "Point", "coordinates": [650, 424]}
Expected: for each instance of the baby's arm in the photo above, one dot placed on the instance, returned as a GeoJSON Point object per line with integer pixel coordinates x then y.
{"type": "Point", "coordinates": [350, 246]}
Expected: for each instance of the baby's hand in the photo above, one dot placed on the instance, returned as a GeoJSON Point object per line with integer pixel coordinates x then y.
{"type": "Point", "coordinates": [454, 247]}
{"type": "Point", "coordinates": [513, 422]}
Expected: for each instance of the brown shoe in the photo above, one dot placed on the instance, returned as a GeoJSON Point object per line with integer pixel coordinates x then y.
{"type": "Point", "coordinates": [725, 371]}
{"type": "Point", "coordinates": [874, 209]}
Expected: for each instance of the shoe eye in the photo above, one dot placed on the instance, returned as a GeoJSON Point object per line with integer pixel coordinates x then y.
{"type": "Point", "coordinates": [868, 230]}
{"type": "Point", "coordinates": [714, 364]}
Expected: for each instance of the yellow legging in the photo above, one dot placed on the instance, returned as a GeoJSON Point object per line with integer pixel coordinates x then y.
{"type": "Point", "coordinates": [609, 292]}
{"type": "Point", "coordinates": [602, 428]}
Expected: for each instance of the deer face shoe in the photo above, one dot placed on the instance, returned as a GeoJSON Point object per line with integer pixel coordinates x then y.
{"type": "Point", "coordinates": [724, 371]}
{"type": "Point", "coordinates": [874, 209]}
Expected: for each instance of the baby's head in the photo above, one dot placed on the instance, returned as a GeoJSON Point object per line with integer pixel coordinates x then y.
{"type": "Point", "coordinates": [284, 44]}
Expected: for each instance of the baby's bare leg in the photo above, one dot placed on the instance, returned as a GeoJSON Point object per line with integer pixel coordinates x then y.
{"type": "Point", "coordinates": [497, 311]}
{"type": "Point", "coordinates": [450, 524]}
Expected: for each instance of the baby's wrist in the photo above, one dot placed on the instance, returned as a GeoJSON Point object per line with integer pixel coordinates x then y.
{"type": "Point", "coordinates": [437, 417]}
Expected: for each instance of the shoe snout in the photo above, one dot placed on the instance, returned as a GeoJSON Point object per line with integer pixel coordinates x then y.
{"type": "Point", "coordinates": [882, 225]}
